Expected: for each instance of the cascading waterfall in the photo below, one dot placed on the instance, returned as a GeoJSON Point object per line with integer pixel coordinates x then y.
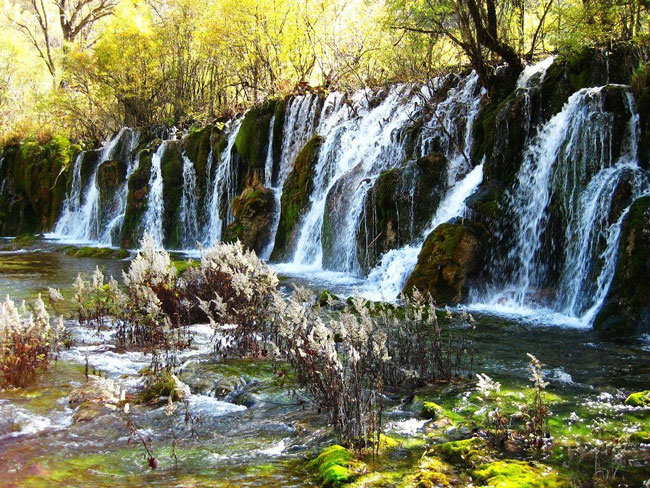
{"type": "Point", "coordinates": [112, 232]}
{"type": "Point", "coordinates": [152, 221]}
{"type": "Point", "coordinates": [386, 280]}
{"type": "Point", "coordinates": [188, 210]}
{"type": "Point", "coordinates": [299, 126]}
{"type": "Point", "coordinates": [570, 163]}
{"type": "Point", "coordinates": [360, 142]}
{"type": "Point", "coordinates": [223, 190]}
{"type": "Point", "coordinates": [82, 219]}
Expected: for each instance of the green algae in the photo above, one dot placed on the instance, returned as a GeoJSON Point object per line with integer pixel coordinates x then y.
{"type": "Point", "coordinates": [639, 399]}
{"type": "Point", "coordinates": [468, 452]}
{"type": "Point", "coordinates": [431, 410]}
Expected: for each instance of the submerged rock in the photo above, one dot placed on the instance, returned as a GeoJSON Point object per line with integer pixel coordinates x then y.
{"type": "Point", "coordinates": [95, 397]}
{"type": "Point", "coordinates": [449, 259]}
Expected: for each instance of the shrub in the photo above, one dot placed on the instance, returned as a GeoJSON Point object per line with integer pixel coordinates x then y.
{"type": "Point", "coordinates": [27, 342]}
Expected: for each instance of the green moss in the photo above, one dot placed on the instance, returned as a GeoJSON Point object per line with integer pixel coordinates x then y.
{"type": "Point", "coordinates": [295, 198]}
{"type": "Point", "coordinates": [431, 410]}
{"type": "Point", "coordinates": [96, 252]}
{"type": "Point", "coordinates": [182, 266]}
{"type": "Point", "coordinates": [325, 296]}
{"type": "Point", "coordinates": [252, 142]}
{"type": "Point", "coordinates": [161, 385]}
{"type": "Point", "coordinates": [336, 466]}
{"type": "Point", "coordinates": [447, 261]}
{"type": "Point", "coordinates": [171, 166]}
{"type": "Point", "coordinates": [431, 474]}
{"type": "Point", "coordinates": [136, 204]}
{"type": "Point", "coordinates": [24, 240]}
{"type": "Point", "coordinates": [253, 212]}
{"type": "Point", "coordinates": [639, 399]}
{"type": "Point", "coordinates": [469, 452]}
{"type": "Point", "coordinates": [518, 474]}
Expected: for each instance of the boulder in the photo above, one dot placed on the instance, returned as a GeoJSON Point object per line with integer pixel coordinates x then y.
{"type": "Point", "coordinates": [448, 261]}
{"type": "Point", "coordinates": [253, 212]}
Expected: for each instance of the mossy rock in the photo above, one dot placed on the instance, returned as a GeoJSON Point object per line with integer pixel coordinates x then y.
{"type": "Point", "coordinates": [336, 466]}
{"type": "Point", "coordinates": [325, 297]}
{"type": "Point", "coordinates": [467, 452]}
{"type": "Point", "coordinates": [518, 474]}
{"type": "Point", "coordinates": [399, 207]}
{"type": "Point", "coordinates": [252, 143]}
{"type": "Point", "coordinates": [253, 212]}
{"type": "Point", "coordinates": [449, 259]}
{"type": "Point", "coordinates": [96, 252]}
{"type": "Point", "coordinates": [295, 198]}
{"type": "Point", "coordinates": [34, 179]}
{"type": "Point", "coordinates": [431, 410]}
{"type": "Point", "coordinates": [136, 203]}
{"type": "Point", "coordinates": [171, 166]}
{"type": "Point", "coordinates": [639, 399]}
{"type": "Point", "coordinates": [432, 473]}
{"type": "Point", "coordinates": [626, 309]}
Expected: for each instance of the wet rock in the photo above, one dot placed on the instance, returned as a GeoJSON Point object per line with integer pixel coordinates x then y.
{"type": "Point", "coordinates": [447, 262]}
{"type": "Point", "coordinates": [399, 207]}
{"type": "Point", "coordinates": [295, 198]}
{"type": "Point", "coordinates": [467, 452]}
{"type": "Point", "coordinates": [626, 309]}
{"type": "Point", "coordinates": [253, 216]}
{"type": "Point", "coordinates": [136, 203]}
{"type": "Point", "coordinates": [33, 181]}
{"type": "Point", "coordinates": [171, 166]}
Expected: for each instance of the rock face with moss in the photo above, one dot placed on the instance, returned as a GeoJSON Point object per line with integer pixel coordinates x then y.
{"type": "Point", "coordinates": [295, 198]}
{"type": "Point", "coordinates": [626, 309]}
{"type": "Point", "coordinates": [448, 261]}
{"type": "Point", "coordinates": [33, 181]}
{"type": "Point", "coordinates": [252, 142]}
{"type": "Point", "coordinates": [399, 207]}
{"type": "Point", "coordinates": [253, 216]}
{"type": "Point", "coordinates": [136, 202]}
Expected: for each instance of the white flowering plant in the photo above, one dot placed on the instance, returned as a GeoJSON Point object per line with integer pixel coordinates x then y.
{"type": "Point", "coordinates": [27, 341]}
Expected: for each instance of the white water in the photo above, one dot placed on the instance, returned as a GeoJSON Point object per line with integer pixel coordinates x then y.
{"type": "Point", "coordinates": [299, 126]}
{"type": "Point", "coordinates": [81, 219]}
{"type": "Point", "coordinates": [568, 162]}
{"type": "Point", "coordinates": [535, 73]}
{"type": "Point", "coordinates": [386, 281]}
{"type": "Point", "coordinates": [188, 211]}
{"type": "Point", "coordinates": [152, 221]}
{"type": "Point", "coordinates": [223, 183]}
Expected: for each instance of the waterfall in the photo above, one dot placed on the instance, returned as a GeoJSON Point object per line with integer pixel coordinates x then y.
{"type": "Point", "coordinates": [359, 143]}
{"type": "Point", "coordinates": [223, 188]}
{"type": "Point", "coordinates": [111, 234]}
{"type": "Point", "coordinates": [570, 166]}
{"type": "Point", "coordinates": [386, 280]}
{"type": "Point", "coordinates": [277, 192]}
{"type": "Point", "coordinates": [188, 210]}
{"type": "Point", "coordinates": [299, 126]}
{"type": "Point", "coordinates": [82, 218]}
{"type": "Point", "coordinates": [152, 221]}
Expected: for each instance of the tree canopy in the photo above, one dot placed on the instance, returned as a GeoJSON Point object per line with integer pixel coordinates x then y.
{"type": "Point", "coordinates": [86, 67]}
